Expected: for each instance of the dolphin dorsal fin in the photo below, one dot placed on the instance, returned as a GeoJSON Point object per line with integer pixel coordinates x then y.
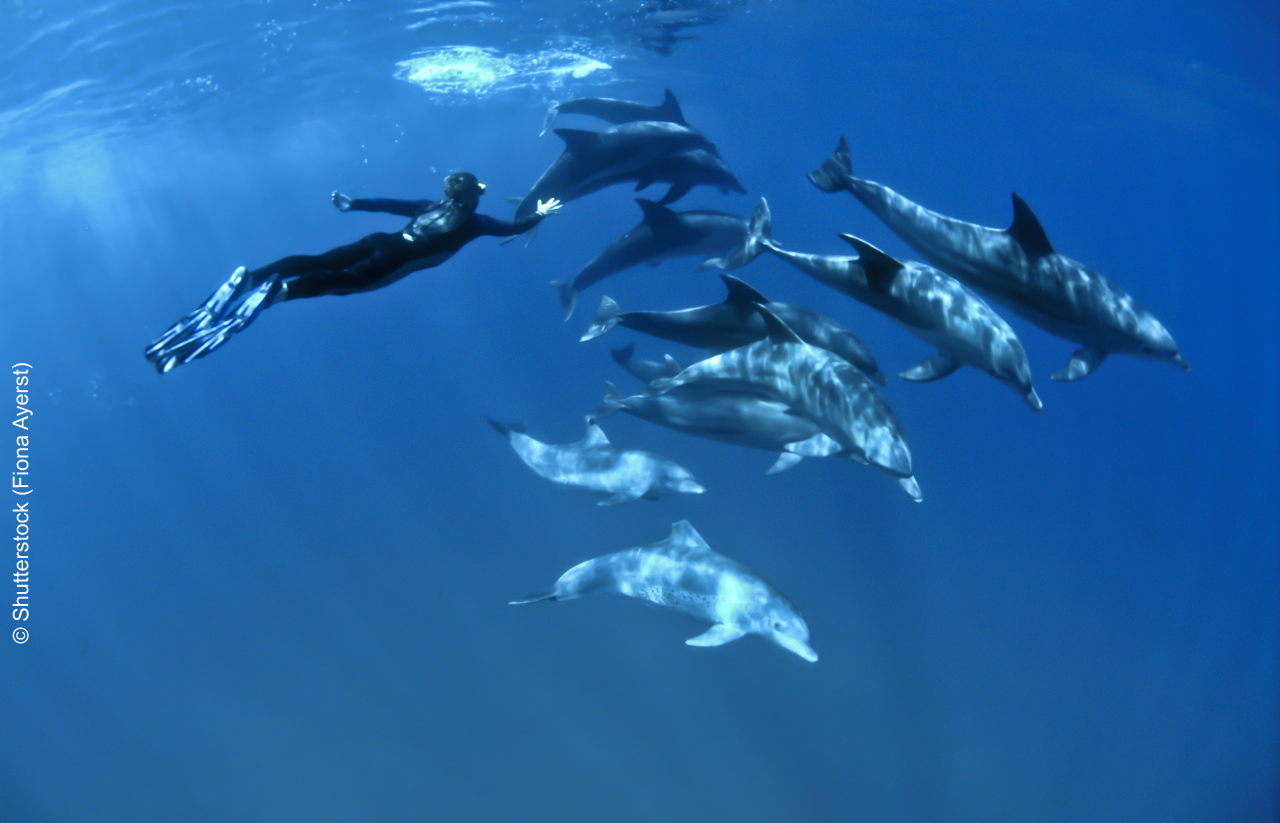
{"type": "Point", "coordinates": [594, 436]}
{"type": "Point", "coordinates": [670, 110]}
{"type": "Point", "coordinates": [1026, 229]}
{"type": "Point", "coordinates": [740, 294]}
{"type": "Point", "coordinates": [881, 267]}
{"type": "Point", "coordinates": [670, 367]}
{"type": "Point", "coordinates": [779, 332]}
{"type": "Point", "coordinates": [654, 213]}
{"type": "Point", "coordinates": [578, 140]}
{"type": "Point", "coordinates": [683, 533]}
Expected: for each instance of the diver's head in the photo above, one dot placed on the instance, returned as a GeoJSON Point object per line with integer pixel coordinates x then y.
{"type": "Point", "coordinates": [464, 189]}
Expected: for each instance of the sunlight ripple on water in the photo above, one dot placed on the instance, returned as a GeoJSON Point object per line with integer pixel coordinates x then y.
{"type": "Point", "coordinates": [471, 71]}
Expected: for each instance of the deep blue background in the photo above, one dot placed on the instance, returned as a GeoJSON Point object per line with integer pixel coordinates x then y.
{"type": "Point", "coordinates": [272, 585]}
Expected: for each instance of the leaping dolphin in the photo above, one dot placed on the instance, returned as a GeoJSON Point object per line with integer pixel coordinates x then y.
{"type": "Point", "coordinates": [662, 235]}
{"type": "Point", "coordinates": [932, 305]}
{"type": "Point", "coordinates": [1019, 268]}
{"type": "Point", "coordinates": [590, 155]}
{"type": "Point", "coordinates": [814, 383]}
{"type": "Point", "coordinates": [683, 574]}
{"type": "Point", "coordinates": [735, 323]}
{"type": "Point", "coordinates": [595, 464]}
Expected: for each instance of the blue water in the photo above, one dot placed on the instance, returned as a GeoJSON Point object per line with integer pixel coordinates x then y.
{"type": "Point", "coordinates": [272, 584]}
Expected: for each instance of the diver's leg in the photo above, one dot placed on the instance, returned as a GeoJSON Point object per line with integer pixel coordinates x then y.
{"type": "Point", "coordinates": [300, 265]}
{"type": "Point", "coordinates": [210, 320]}
{"type": "Point", "coordinates": [388, 263]}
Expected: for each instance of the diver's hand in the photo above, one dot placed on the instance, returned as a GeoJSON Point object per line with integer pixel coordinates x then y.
{"type": "Point", "coordinates": [340, 200]}
{"type": "Point", "coordinates": [549, 207]}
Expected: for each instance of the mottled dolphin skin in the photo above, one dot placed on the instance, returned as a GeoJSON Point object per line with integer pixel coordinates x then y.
{"type": "Point", "coordinates": [814, 383]}
{"type": "Point", "coordinates": [1018, 268]}
{"type": "Point", "coordinates": [735, 323]}
{"type": "Point", "coordinates": [590, 155]}
{"type": "Point", "coordinates": [617, 111]}
{"type": "Point", "coordinates": [697, 167]}
{"type": "Point", "coordinates": [739, 418]}
{"type": "Point", "coordinates": [662, 235]}
{"type": "Point", "coordinates": [595, 464]}
{"type": "Point", "coordinates": [932, 305]}
{"type": "Point", "coordinates": [684, 574]}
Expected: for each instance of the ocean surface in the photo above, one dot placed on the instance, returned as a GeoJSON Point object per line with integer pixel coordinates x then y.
{"type": "Point", "coordinates": [272, 584]}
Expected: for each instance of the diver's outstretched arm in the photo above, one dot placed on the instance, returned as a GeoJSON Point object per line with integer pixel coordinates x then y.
{"type": "Point", "coordinates": [404, 208]}
{"type": "Point", "coordinates": [507, 228]}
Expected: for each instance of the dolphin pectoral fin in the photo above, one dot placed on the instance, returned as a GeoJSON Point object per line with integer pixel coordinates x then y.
{"type": "Point", "coordinates": [785, 461]}
{"type": "Point", "coordinates": [717, 635]}
{"type": "Point", "coordinates": [549, 118]}
{"type": "Point", "coordinates": [533, 598]}
{"type": "Point", "coordinates": [1082, 362]}
{"type": "Point", "coordinates": [934, 367]}
{"type": "Point", "coordinates": [620, 498]}
{"type": "Point", "coordinates": [568, 297]}
{"type": "Point", "coordinates": [674, 193]}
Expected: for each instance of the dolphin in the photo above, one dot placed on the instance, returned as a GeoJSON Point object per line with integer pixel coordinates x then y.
{"type": "Point", "coordinates": [697, 167]}
{"type": "Point", "coordinates": [739, 418]}
{"type": "Point", "coordinates": [1018, 268]}
{"type": "Point", "coordinates": [617, 111]}
{"type": "Point", "coordinates": [683, 574]}
{"type": "Point", "coordinates": [932, 305]}
{"type": "Point", "coordinates": [589, 155]}
{"type": "Point", "coordinates": [735, 323]}
{"type": "Point", "coordinates": [814, 383]}
{"type": "Point", "coordinates": [661, 235]}
{"type": "Point", "coordinates": [595, 464]}
{"type": "Point", "coordinates": [646, 371]}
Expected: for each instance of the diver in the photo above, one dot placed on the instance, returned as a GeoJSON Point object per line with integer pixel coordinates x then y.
{"type": "Point", "coordinates": [438, 229]}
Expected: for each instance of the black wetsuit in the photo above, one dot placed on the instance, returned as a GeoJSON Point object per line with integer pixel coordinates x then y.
{"type": "Point", "coordinates": [439, 229]}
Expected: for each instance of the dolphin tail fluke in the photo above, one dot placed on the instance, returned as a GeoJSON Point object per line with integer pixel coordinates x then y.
{"type": "Point", "coordinates": [759, 237]}
{"type": "Point", "coordinates": [533, 598]}
{"type": "Point", "coordinates": [568, 297]}
{"type": "Point", "coordinates": [622, 356]}
{"type": "Point", "coordinates": [606, 318]}
{"type": "Point", "coordinates": [610, 404]}
{"type": "Point", "coordinates": [835, 171]}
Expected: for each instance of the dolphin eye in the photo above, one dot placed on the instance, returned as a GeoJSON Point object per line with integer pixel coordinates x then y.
{"type": "Point", "coordinates": [777, 625]}
{"type": "Point", "coordinates": [1148, 350]}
